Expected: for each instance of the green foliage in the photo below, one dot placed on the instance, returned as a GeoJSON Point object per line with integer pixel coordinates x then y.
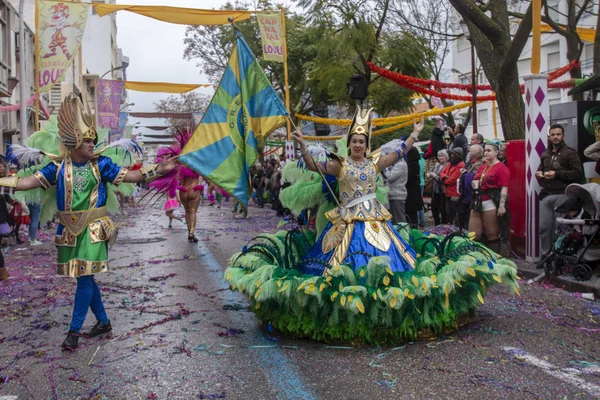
{"type": "Point", "coordinates": [406, 131]}
{"type": "Point", "coordinates": [331, 43]}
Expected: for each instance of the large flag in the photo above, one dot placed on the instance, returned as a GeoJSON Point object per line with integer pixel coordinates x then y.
{"type": "Point", "coordinates": [59, 29]}
{"type": "Point", "coordinates": [243, 112]}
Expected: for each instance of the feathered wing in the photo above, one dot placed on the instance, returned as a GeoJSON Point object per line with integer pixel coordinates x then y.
{"type": "Point", "coordinates": [24, 156]}
{"type": "Point", "coordinates": [123, 151]}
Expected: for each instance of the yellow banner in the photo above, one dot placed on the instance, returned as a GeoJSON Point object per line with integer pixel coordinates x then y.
{"type": "Point", "coordinates": [176, 15]}
{"type": "Point", "coordinates": [271, 35]}
{"type": "Point", "coordinates": [586, 34]}
{"type": "Point", "coordinates": [163, 87]}
{"type": "Point", "coordinates": [59, 28]}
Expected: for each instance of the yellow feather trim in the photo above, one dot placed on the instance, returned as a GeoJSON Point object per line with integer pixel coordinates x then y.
{"type": "Point", "coordinates": [361, 273]}
{"type": "Point", "coordinates": [433, 278]}
{"type": "Point", "coordinates": [322, 287]}
{"type": "Point", "coordinates": [334, 295]}
{"type": "Point", "coordinates": [259, 291]}
{"type": "Point", "coordinates": [360, 306]}
{"type": "Point", "coordinates": [497, 278]}
{"type": "Point", "coordinates": [258, 283]}
{"type": "Point", "coordinates": [228, 277]}
{"type": "Point", "coordinates": [284, 288]}
{"type": "Point", "coordinates": [480, 297]}
{"type": "Point", "coordinates": [389, 271]}
{"type": "Point", "coordinates": [415, 281]}
{"type": "Point", "coordinates": [386, 280]}
{"type": "Point", "coordinates": [350, 298]}
{"type": "Point", "coordinates": [471, 271]}
{"type": "Point", "coordinates": [343, 300]}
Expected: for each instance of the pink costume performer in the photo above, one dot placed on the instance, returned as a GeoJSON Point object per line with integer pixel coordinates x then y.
{"type": "Point", "coordinates": [183, 179]}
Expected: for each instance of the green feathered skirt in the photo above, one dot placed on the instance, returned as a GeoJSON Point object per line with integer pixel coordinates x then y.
{"type": "Point", "coordinates": [368, 303]}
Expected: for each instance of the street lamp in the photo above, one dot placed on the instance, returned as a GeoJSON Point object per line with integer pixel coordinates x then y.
{"type": "Point", "coordinates": [465, 29]}
{"type": "Point", "coordinates": [127, 105]}
{"type": "Point", "coordinates": [120, 67]}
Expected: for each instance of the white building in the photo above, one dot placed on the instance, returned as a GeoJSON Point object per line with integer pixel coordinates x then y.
{"type": "Point", "coordinates": [10, 79]}
{"type": "Point", "coordinates": [553, 56]}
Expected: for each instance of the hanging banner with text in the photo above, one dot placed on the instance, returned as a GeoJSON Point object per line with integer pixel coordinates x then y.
{"type": "Point", "coordinates": [59, 29]}
{"type": "Point", "coordinates": [118, 133]}
{"type": "Point", "coordinates": [108, 100]}
{"type": "Point", "coordinates": [271, 36]}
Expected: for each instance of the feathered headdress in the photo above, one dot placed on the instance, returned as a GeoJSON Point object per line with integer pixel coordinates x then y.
{"type": "Point", "coordinates": [74, 122]}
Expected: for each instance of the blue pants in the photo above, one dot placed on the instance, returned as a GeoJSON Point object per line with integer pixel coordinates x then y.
{"type": "Point", "coordinates": [87, 296]}
{"type": "Point", "coordinates": [34, 214]}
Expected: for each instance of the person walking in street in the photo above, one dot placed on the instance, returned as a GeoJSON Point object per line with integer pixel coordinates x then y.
{"type": "Point", "coordinates": [559, 167]}
{"type": "Point", "coordinates": [80, 175]}
{"type": "Point", "coordinates": [490, 203]}
{"type": "Point", "coordinates": [20, 216]}
{"type": "Point", "coordinates": [35, 209]}
{"type": "Point", "coordinates": [5, 221]}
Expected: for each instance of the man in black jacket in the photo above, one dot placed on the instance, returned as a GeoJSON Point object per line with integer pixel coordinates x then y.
{"type": "Point", "coordinates": [560, 166]}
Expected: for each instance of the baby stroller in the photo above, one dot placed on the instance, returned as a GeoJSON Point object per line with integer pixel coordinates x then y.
{"type": "Point", "coordinates": [577, 247]}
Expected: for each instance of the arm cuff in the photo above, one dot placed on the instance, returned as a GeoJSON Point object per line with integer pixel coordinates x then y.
{"type": "Point", "coordinates": [9, 182]}
{"type": "Point", "coordinates": [42, 179]}
{"type": "Point", "coordinates": [120, 176]}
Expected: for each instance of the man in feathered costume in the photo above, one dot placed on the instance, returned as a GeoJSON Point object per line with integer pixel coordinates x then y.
{"type": "Point", "coordinates": [80, 175]}
{"type": "Point", "coordinates": [181, 179]}
{"type": "Point", "coordinates": [361, 279]}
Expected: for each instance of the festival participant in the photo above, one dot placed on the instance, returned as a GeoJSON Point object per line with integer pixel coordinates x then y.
{"type": "Point", "coordinates": [170, 206]}
{"type": "Point", "coordinates": [5, 220]}
{"type": "Point", "coordinates": [80, 175]}
{"type": "Point", "coordinates": [490, 199]}
{"type": "Point", "coordinates": [183, 180]}
{"type": "Point", "coordinates": [361, 279]}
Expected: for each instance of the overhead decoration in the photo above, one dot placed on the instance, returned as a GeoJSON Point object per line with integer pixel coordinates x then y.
{"type": "Point", "coordinates": [163, 87]}
{"type": "Point", "coordinates": [243, 112]}
{"type": "Point", "coordinates": [586, 34]}
{"type": "Point", "coordinates": [387, 120]}
{"type": "Point", "coordinates": [468, 87]}
{"type": "Point", "coordinates": [271, 35]}
{"type": "Point", "coordinates": [176, 15]}
{"type": "Point", "coordinates": [59, 29]}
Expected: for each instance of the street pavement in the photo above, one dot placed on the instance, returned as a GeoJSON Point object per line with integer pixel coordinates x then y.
{"type": "Point", "coordinates": [179, 333]}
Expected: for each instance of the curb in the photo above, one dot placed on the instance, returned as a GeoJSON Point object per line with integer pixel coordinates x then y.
{"type": "Point", "coordinates": [562, 283]}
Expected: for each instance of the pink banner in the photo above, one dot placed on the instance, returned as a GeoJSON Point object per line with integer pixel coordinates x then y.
{"type": "Point", "coordinates": [108, 100]}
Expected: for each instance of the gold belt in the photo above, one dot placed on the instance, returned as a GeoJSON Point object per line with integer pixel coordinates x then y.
{"type": "Point", "coordinates": [76, 221]}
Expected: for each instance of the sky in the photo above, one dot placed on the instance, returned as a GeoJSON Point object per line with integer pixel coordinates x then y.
{"type": "Point", "coordinates": [155, 51]}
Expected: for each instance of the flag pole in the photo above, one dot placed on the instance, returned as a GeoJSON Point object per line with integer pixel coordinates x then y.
{"type": "Point", "coordinates": [285, 73]}
{"type": "Point", "coordinates": [337, 202]}
{"type": "Point", "coordinates": [35, 68]}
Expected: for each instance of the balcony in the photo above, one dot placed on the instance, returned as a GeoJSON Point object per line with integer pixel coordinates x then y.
{"type": "Point", "coordinates": [4, 80]}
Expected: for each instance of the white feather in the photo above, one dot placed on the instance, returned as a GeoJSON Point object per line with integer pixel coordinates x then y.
{"type": "Point", "coordinates": [23, 155]}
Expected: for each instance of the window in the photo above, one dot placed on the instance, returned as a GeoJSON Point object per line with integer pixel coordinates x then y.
{"type": "Point", "coordinates": [464, 80]}
{"type": "Point", "coordinates": [553, 61]}
{"type": "Point", "coordinates": [482, 117]}
{"type": "Point", "coordinates": [481, 80]}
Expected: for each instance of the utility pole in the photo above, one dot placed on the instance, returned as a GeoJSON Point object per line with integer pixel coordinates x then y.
{"type": "Point", "coordinates": [22, 73]}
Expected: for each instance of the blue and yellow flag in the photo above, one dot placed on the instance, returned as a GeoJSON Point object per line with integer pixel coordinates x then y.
{"type": "Point", "coordinates": [243, 112]}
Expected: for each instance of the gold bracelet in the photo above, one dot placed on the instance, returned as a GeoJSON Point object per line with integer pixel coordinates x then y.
{"type": "Point", "coordinates": [8, 182]}
{"type": "Point", "coordinates": [150, 172]}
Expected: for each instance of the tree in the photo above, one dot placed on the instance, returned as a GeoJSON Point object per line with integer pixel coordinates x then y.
{"type": "Point", "coordinates": [333, 42]}
{"type": "Point", "coordinates": [499, 51]}
{"type": "Point", "coordinates": [190, 102]}
{"type": "Point", "coordinates": [431, 20]}
{"type": "Point", "coordinates": [576, 9]}
{"type": "Point", "coordinates": [212, 45]}
{"type": "Point", "coordinates": [351, 34]}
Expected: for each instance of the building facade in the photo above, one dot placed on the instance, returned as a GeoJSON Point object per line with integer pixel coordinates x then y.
{"type": "Point", "coordinates": [553, 56]}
